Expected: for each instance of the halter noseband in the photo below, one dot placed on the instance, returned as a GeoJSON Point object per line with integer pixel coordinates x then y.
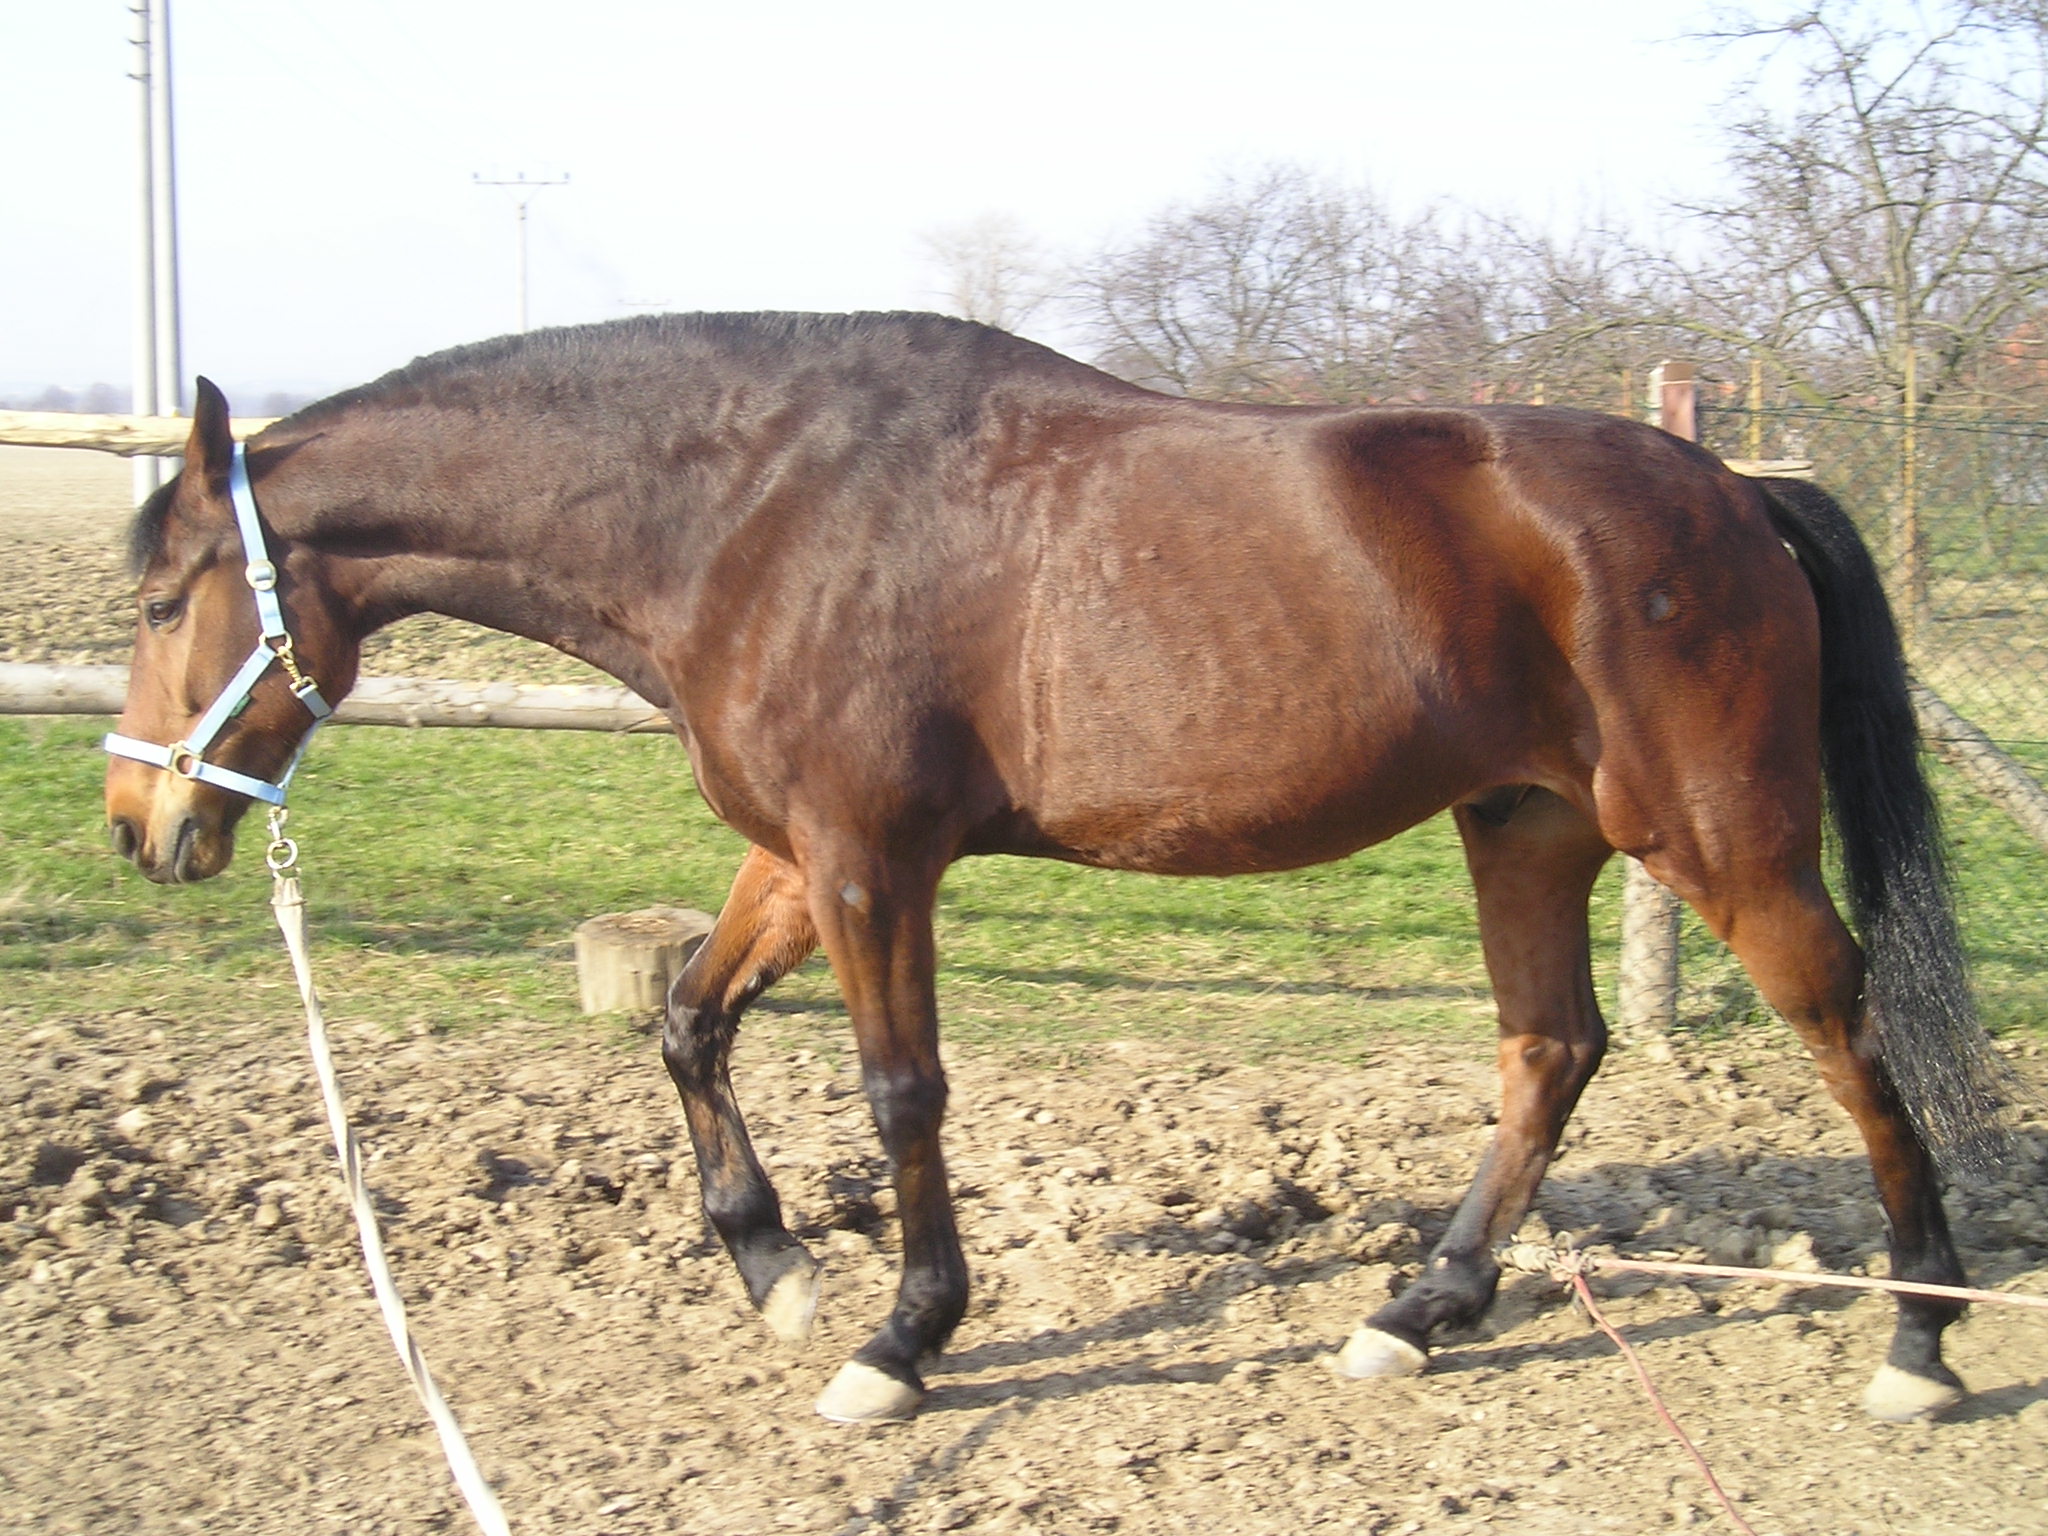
{"type": "Point", "coordinates": [187, 758]}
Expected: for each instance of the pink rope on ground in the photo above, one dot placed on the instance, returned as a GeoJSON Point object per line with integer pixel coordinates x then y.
{"type": "Point", "coordinates": [1572, 1265]}
{"type": "Point", "coordinates": [1578, 1280]}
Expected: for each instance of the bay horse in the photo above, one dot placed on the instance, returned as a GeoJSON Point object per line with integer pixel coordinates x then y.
{"type": "Point", "coordinates": [912, 589]}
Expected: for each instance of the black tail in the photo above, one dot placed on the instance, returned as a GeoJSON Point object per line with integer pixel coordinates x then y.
{"type": "Point", "coordinates": [1917, 988]}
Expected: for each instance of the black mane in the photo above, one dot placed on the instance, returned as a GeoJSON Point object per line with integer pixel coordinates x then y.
{"type": "Point", "coordinates": [565, 355]}
{"type": "Point", "coordinates": [146, 533]}
{"type": "Point", "coordinates": [571, 358]}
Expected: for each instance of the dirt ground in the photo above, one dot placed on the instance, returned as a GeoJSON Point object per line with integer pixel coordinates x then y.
{"type": "Point", "coordinates": [1165, 1248]}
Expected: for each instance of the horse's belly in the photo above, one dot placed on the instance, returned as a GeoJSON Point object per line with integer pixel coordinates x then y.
{"type": "Point", "coordinates": [1230, 795]}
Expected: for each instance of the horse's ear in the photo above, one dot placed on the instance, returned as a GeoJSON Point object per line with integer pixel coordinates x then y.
{"type": "Point", "coordinates": [211, 444]}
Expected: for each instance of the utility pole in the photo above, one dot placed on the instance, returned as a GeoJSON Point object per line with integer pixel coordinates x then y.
{"type": "Point", "coordinates": [158, 365]}
{"type": "Point", "coordinates": [524, 190]}
{"type": "Point", "coordinates": [142, 369]}
{"type": "Point", "coordinates": [170, 345]}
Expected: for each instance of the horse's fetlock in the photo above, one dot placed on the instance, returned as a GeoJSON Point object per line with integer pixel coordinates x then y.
{"type": "Point", "coordinates": [748, 1216]}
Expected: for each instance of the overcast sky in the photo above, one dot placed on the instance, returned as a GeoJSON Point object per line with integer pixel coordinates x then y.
{"type": "Point", "coordinates": [784, 154]}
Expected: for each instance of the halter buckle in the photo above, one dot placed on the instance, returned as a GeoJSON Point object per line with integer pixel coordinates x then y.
{"type": "Point", "coordinates": [261, 574]}
{"type": "Point", "coordinates": [281, 648]}
{"type": "Point", "coordinates": [184, 762]}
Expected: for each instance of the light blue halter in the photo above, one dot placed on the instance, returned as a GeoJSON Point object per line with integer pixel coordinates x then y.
{"type": "Point", "coordinates": [187, 758]}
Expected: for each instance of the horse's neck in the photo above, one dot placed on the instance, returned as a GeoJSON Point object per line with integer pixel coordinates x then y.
{"type": "Point", "coordinates": [530, 542]}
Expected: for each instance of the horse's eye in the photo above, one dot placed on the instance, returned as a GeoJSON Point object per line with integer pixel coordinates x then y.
{"type": "Point", "coordinates": [160, 611]}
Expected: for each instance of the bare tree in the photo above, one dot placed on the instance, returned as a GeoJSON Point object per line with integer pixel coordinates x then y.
{"type": "Point", "coordinates": [1894, 225]}
{"type": "Point", "coordinates": [995, 271]}
{"type": "Point", "coordinates": [1886, 239]}
{"type": "Point", "coordinates": [1278, 287]}
{"type": "Point", "coordinates": [1509, 311]}
{"type": "Point", "coordinates": [1285, 287]}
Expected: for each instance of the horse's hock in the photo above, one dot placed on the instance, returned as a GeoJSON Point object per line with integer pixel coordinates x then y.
{"type": "Point", "coordinates": [626, 960]}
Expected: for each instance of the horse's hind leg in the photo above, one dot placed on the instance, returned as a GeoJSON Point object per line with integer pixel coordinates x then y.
{"type": "Point", "coordinates": [1789, 937]}
{"type": "Point", "coordinates": [875, 916]}
{"type": "Point", "coordinates": [1533, 871]}
{"type": "Point", "coordinates": [763, 932]}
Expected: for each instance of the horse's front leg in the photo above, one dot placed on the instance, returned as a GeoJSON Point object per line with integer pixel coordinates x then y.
{"type": "Point", "coordinates": [763, 932]}
{"type": "Point", "coordinates": [875, 917]}
{"type": "Point", "coordinates": [1533, 876]}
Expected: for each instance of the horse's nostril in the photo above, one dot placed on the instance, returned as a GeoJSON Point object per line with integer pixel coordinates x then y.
{"type": "Point", "coordinates": [125, 838]}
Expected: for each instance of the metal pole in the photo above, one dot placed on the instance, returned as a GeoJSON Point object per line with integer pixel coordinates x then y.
{"type": "Point", "coordinates": [142, 370]}
{"type": "Point", "coordinates": [170, 360]}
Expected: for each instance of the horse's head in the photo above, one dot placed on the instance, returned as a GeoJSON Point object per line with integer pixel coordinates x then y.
{"type": "Point", "coordinates": [190, 753]}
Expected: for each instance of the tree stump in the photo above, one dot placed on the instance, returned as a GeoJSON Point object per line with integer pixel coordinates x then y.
{"type": "Point", "coordinates": [626, 960]}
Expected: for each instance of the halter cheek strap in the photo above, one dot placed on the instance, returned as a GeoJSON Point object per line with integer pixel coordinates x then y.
{"type": "Point", "coordinates": [187, 758]}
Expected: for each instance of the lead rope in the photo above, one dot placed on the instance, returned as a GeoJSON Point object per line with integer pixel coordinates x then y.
{"type": "Point", "coordinates": [289, 903]}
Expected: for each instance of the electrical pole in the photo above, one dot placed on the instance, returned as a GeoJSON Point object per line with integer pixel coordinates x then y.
{"type": "Point", "coordinates": [142, 370]}
{"type": "Point", "coordinates": [525, 190]}
{"type": "Point", "coordinates": [158, 366]}
{"type": "Point", "coordinates": [170, 346]}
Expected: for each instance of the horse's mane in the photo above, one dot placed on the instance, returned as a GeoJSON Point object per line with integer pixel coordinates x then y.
{"type": "Point", "coordinates": [566, 354]}
{"type": "Point", "coordinates": [567, 358]}
{"type": "Point", "coordinates": [146, 533]}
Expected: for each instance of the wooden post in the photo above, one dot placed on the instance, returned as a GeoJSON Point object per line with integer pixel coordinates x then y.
{"type": "Point", "coordinates": [1674, 399]}
{"type": "Point", "coordinates": [1912, 554]}
{"type": "Point", "coordinates": [1754, 439]}
{"type": "Point", "coordinates": [1646, 999]}
{"type": "Point", "coordinates": [626, 960]}
{"type": "Point", "coordinates": [1646, 989]}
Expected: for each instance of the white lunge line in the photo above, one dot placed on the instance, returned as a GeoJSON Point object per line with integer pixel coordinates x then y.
{"type": "Point", "coordinates": [291, 920]}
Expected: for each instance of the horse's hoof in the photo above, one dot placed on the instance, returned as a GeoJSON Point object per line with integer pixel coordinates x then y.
{"type": "Point", "coordinates": [1900, 1397]}
{"type": "Point", "coordinates": [1370, 1352]}
{"type": "Point", "coordinates": [792, 1302]}
{"type": "Point", "coordinates": [860, 1394]}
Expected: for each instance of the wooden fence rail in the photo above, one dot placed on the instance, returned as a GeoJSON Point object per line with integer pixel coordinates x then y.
{"type": "Point", "coordinates": [35, 688]}
{"type": "Point", "coordinates": [38, 688]}
{"type": "Point", "coordinates": [129, 436]}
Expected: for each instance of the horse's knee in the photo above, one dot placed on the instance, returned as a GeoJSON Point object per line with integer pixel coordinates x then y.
{"type": "Point", "coordinates": [908, 1104]}
{"type": "Point", "coordinates": [1569, 1062]}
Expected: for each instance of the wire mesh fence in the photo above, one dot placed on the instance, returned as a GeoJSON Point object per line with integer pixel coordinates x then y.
{"type": "Point", "coordinates": [1955, 509]}
{"type": "Point", "coordinates": [1956, 512]}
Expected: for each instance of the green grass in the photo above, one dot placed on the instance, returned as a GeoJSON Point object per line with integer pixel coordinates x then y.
{"type": "Point", "coordinates": [446, 871]}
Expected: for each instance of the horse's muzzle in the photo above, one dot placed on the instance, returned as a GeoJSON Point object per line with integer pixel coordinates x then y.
{"type": "Point", "coordinates": [187, 851]}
